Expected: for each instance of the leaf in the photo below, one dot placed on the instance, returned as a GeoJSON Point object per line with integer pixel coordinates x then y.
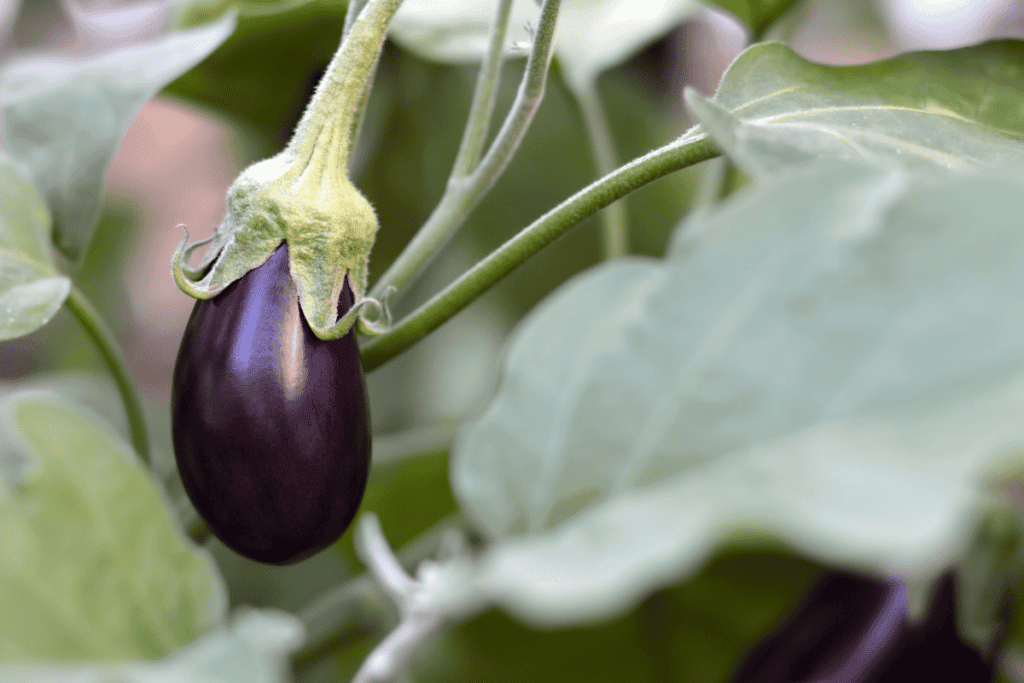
{"type": "Point", "coordinates": [31, 289]}
{"type": "Point", "coordinates": [759, 15]}
{"type": "Point", "coordinates": [591, 35]}
{"type": "Point", "coordinates": [253, 649]}
{"type": "Point", "coordinates": [595, 35]}
{"type": "Point", "coordinates": [960, 110]}
{"type": "Point", "coordinates": [92, 565]}
{"type": "Point", "coordinates": [307, 31]}
{"type": "Point", "coordinates": [456, 32]}
{"type": "Point", "coordinates": [64, 116]}
{"type": "Point", "coordinates": [805, 364]}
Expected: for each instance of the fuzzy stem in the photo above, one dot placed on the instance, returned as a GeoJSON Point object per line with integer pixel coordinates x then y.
{"type": "Point", "coordinates": [464, 193]}
{"type": "Point", "coordinates": [482, 108]}
{"type": "Point", "coordinates": [686, 151]}
{"type": "Point", "coordinates": [336, 102]}
{"type": "Point", "coordinates": [106, 343]}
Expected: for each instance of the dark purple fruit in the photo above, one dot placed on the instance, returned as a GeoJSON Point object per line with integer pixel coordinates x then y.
{"type": "Point", "coordinates": [854, 629]}
{"type": "Point", "coordinates": [271, 424]}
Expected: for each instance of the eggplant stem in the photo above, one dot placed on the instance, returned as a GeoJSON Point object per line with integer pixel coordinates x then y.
{"type": "Point", "coordinates": [691, 148]}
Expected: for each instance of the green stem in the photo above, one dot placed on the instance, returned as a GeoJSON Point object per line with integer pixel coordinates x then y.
{"type": "Point", "coordinates": [354, 8]}
{"type": "Point", "coordinates": [338, 95]}
{"type": "Point", "coordinates": [482, 109]}
{"type": "Point", "coordinates": [351, 14]}
{"type": "Point", "coordinates": [110, 350]}
{"type": "Point", "coordinates": [685, 151]}
{"type": "Point", "coordinates": [602, 146]}
{"type": "Point", "coordinates": [465, 192]}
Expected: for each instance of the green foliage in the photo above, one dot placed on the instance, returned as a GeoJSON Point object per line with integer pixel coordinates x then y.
{"type": "Point", "coordinates": [31, 289]}
{"type": "Point", "coordinates": [690, 632]}
{"type": "Point", "coordinates": [253, 648]}
{"type": "Point", "coordinates": [252, 60]}
{"type": "Point", "coordinates": [92, 564]}
{"type": "Point", "coordinates": [821, 370]}
{"type": "Point", "coordinates": [957, 110]}
{"type": "Point", "coordinates": [803, 364]}
{"type": "Point", "coordinates": [64, 116]}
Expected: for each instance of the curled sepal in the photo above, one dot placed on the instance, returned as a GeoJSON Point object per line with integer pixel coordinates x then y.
{"type": "Point", "coordinates": [183, 273]}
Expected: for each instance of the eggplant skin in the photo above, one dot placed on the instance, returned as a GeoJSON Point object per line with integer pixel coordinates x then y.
{"type": "Point", "coordinates": [855, 629]}
{"type": "Point", "coordinates": [271, 425]}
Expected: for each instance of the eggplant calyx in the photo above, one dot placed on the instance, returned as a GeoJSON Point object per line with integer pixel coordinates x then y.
{"type": "Point", "coordinates": [303, 196]}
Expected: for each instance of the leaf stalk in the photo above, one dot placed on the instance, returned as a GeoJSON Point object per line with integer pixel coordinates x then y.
{"type": "Point", "coordinates": [464, 192]}
{"type": "Point", "coordinates": [107, 345]}
{"type": "Point", "coordinates": [685, 151]}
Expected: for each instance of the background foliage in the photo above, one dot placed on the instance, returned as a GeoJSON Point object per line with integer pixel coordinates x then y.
{"type": "Point", "coordinates": [821, 371]}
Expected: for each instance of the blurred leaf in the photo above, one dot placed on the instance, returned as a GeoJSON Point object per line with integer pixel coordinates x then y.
{"type": "Point", "coordinates": [989, 578]}
{"type": "Point", "coordinates": [279, 50]}
{"type": "Point", "coordinates": [65, 114]}
{"type": "Point", "coordinates": [693, 632]}
{"type": "Point", "coordinates": [759, 15]}
{"type": "Point", "coordinates": [595, 35]}
{"type": "Point", "coordinates": [592, 35]}
{"type": "Point", "coordinates": [959, 110]}
{"type": "Point", "coordinates": [8, 12]}
{"type": "Point", "coordinates": [92, 566]}
{"type": "Point", "coordinates": [253, 649]}
{"type": "Point", "coordinates": [31, 289]}
{"type": "Point", "coordinates": [805, 364]}
{"type": "Point", "coordinates": [457, 32]}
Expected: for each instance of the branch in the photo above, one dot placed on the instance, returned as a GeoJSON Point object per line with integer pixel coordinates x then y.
{"type": "Point", "coordinates": [464, 192]}
{"type": "Point", "coordinates": [685, 151]}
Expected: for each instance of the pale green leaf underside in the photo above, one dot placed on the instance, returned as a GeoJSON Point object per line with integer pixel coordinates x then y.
{"type": "Point", "coordinates": [959, 110]}
{"type": "Point", "coordinates": [595, 35]}
{"type": "Point", "coordinates": [27, 306]}
{"type": "Point", "coordinates": [253, 649]}
{"type": "Point", "coordinates": [92, 565]}
{"type": "Point", "coordinates": [591, 35]}
{"type": "Point", "coordinates": [456, 32]}
{"type": "Point", "coordinates": [819, 361]}
{"type": "Point", "coordinates": [31, 290]}
{"type": "Point", "coordinates": [64, 116]}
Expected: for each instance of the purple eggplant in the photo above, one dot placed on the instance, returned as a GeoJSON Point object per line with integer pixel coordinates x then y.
{"type": "Point", "coordinates": [855, 629]}
{"type": "Point", "coordinates": [270, 423]}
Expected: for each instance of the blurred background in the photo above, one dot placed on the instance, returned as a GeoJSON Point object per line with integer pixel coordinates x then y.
{"type": "Point", "coordinates": [188, 144]}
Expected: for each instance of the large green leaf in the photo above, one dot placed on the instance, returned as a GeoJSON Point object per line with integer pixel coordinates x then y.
{"type": "Point", "coordinates": [832, 360]}
{"type": "Point", "coordinates": [64, 116]}
{"type": "Point", "coordinates": [31, 289]}
{"type": "Point", "coordinates": [254, 648]}
{"type": "Point", "coordinates": [959, 110]}
{"type": "Point", "coordinates": [92, 565]}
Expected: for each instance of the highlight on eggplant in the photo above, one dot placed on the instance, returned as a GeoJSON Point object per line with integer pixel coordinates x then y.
{"type": "Point", "coordinates": [270, 423]}
{"type": "Point", "coordinates": [855, 629]}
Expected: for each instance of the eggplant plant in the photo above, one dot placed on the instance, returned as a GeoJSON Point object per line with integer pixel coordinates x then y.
{"type": "Point", "coordinates": [758, 421]}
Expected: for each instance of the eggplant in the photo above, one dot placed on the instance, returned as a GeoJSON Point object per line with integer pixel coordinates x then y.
{"type": "Point", "coordinates": [855, 629]}
{"type": "Point", "coordinates": [271, 424]}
